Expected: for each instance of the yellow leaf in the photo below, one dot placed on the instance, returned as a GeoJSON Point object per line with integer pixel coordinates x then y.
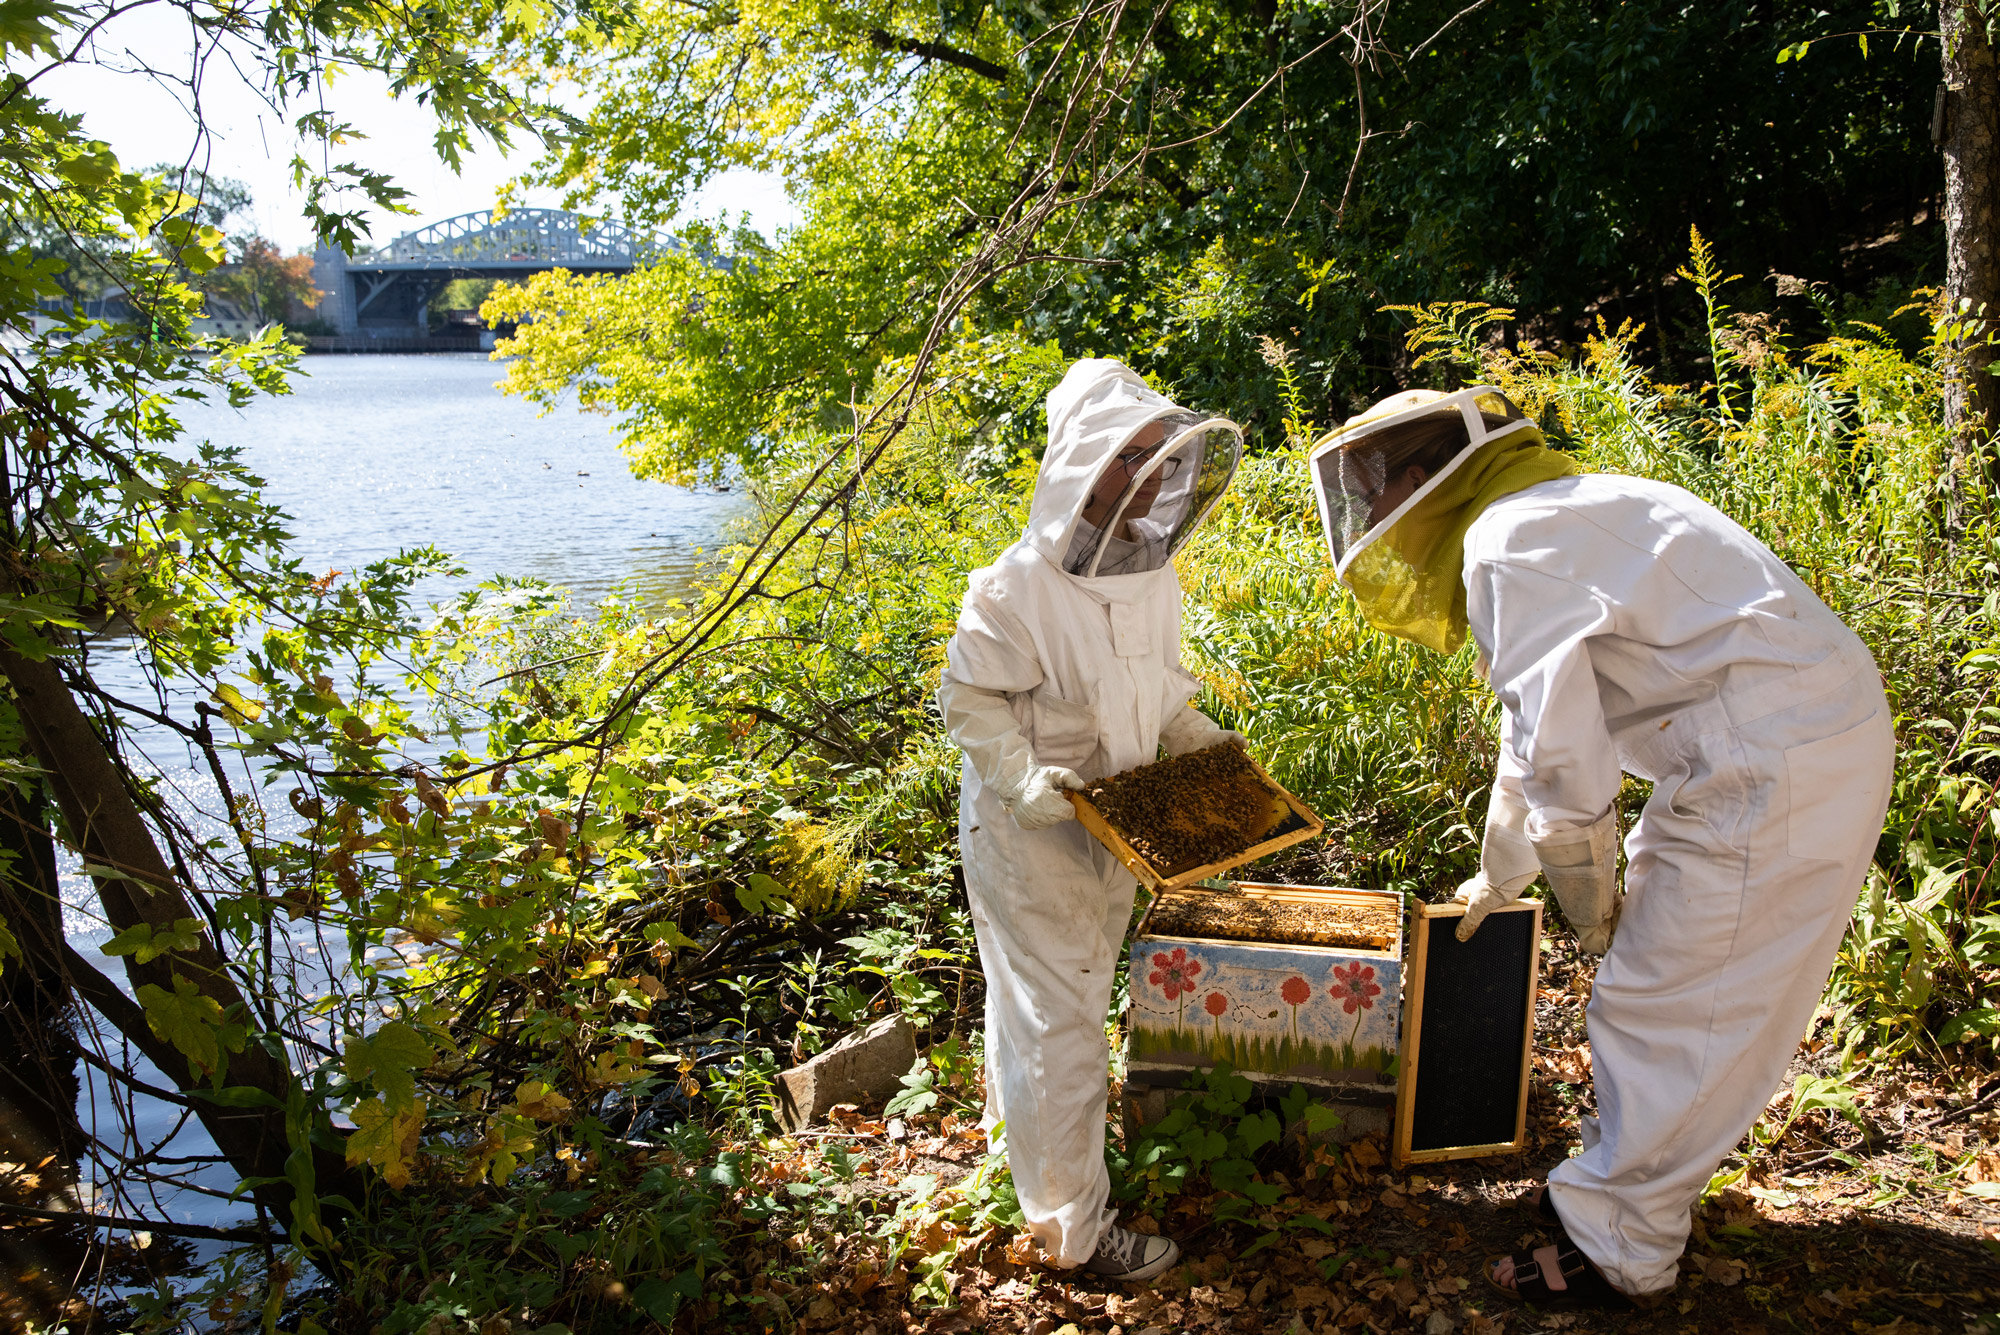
{"type": "Point", "coordinates": [390, 1057]}
{"type": "Point", "coordinates": [386, 1139]}
{"type": "Point", "coordinates": [537, 1100]}
{"type": "Point", "coordinates": [612, 1068]}
{"type": "Point", "coordinates": [507, 1138]}
{"type": "Point", "coordinates": [236, 707]}
{"type": "Point", "coordinates": [186, 1019]}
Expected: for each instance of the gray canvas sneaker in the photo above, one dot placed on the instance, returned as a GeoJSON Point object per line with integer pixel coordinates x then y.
{"type": "Point", "coordinates": [1130, 1257]}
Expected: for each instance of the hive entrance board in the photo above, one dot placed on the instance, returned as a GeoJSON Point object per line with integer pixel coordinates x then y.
{"type": "Point", "coordinates": [1468, 1033]}
{"type": "Point", "coordinates": [1183, 820]}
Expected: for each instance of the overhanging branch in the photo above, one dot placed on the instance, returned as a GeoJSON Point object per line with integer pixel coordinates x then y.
{"type": "Point", "coordinates": [938, 51]}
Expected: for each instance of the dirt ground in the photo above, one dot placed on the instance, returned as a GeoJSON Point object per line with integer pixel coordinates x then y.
{"type": "Point", "coordinates": [1893, 1226]}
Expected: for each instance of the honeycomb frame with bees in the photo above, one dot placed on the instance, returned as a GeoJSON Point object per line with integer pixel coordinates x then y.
{"type": "Point", "coordinates": [1193, 817]}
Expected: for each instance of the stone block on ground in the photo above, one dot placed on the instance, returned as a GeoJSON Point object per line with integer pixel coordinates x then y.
{"type": "Point", "coordinates": [865, 1067]}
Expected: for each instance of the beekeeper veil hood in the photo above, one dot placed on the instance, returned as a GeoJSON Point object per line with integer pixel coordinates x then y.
{"type": "Point", "coordinates": [1129, 475]}
{"type": "Point", "coordinates": [1405, 565]}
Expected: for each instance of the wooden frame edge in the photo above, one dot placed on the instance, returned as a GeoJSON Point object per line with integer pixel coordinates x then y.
{"type": "Point", "coordinates": [1149, 876]}
{"type": "Point", "coordinates": [1400, 1153]}
{"type": "Point", "coordinates": [1413, 1010]}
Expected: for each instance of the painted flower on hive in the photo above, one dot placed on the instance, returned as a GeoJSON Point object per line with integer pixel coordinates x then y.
{"type": "Point", "coordinates": [1174, 975]}
{"type": "Point", "coordinates": [1296, 992]}
{"type": "Point", "coordinates": [1215, 1005]}
{"type": "Point", "coordinates": [1354, 987]}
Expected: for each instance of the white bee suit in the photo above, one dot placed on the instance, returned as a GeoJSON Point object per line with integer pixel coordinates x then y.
{"type": "Point", "coordinates": [1633, 628]}
{"type": "Point", "coordinates": [1049, 668]}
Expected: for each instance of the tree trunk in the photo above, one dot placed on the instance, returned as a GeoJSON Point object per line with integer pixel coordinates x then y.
{"type": "Point", "coordinates": [138, 887]}
{"type": "Point", "coordinates": [38, 1052]}
{"type": "Point", "coordinates": [1970, 137]}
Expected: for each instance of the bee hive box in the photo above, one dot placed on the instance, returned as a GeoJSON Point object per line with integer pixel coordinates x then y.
{"type": "Point", "coordinates": [1285, 983]}
{"type": "Point", "coordinates": [1193, 817]}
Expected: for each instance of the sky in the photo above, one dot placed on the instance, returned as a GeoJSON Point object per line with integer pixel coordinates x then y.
{"type": "Point", "coordinates": [145, 122]}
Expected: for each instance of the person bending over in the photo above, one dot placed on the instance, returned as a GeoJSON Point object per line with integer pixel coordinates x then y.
{"type": "Point", "coordinates": [1629, 627]}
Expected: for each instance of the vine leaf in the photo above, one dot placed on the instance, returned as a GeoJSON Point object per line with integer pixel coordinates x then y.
{"type": "Point", "coordinates": [764, 894]}
{"type": "Point", "coordinates": [238, 708]}
{"type": "Point", "coordinates": [386, 1138]}
{"type": "Point", "coordinates": [190, 1021]}
{"type": "Point", "coordinates": [145, 943]}
{"type": "Point", "coordinates": [390, 1058]}
{"type": "Point", "coordinates": [667, 934]}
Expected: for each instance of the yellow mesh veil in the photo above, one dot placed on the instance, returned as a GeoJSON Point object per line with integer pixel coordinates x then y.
{"type": "Point", "coordinates": [1408, 576]}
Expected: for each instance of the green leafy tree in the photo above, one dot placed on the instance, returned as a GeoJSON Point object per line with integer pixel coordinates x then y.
{"type": "Point", "coordinates": [110, 516]}
{"type": "Point", "coordinates": [1279, 171]}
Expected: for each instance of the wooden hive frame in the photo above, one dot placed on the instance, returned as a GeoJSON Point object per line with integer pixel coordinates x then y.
{"type": "Point", "coordinates": [1155, 880]}
{"type": "Point", "coordinates": [1425, 919]}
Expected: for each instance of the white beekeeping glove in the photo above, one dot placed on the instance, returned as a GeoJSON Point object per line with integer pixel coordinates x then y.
{"type": "Point", "coordinates": [1189, 729]}
{"type": "Point", "coordinates": [1035, 797]}
{"type": "Point", "coordinates": [1507, 863]}
{"type": "Point", "coordinates": [1582, 867]}
{"type": "Point", "coordinates": [983, 726]}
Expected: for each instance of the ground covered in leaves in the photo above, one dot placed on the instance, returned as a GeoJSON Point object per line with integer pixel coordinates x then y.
{"type": "Point", "coordinates": [1885, 1220]}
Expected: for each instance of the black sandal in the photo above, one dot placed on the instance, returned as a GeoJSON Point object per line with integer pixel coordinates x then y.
{"type": "Point", "coordinates": [1586, 1285]}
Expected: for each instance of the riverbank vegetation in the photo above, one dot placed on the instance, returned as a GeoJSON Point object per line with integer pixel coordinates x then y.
{"type": "Point", "coordinates": [507, 914]}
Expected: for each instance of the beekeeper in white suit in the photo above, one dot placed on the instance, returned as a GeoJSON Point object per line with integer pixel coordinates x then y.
{"type": "Point", "coordinates": [1066, 667]}
{"type": "Point", "coordinates": [1628, 627]}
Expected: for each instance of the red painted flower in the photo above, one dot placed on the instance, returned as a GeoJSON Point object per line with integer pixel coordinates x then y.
{"type": "Point", "coordinates": [1354, 987]}
{"type": "Point", "coordinates": [1296, 992]}
{"type": "Point", "coordinates": [1174, 974]}
{"type": "Point", "coordinates": [1216, 1004]}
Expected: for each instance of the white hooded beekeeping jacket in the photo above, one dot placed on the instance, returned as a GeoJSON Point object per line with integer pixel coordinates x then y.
{"type": "Point", "coordinates": [1633, 628]}
{"type": "Point", "coordinates": [1087, 672]}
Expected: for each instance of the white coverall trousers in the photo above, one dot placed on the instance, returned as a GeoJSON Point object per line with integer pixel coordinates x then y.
{"type": "Point", "coordinates": [1050, 926]}
{"type": "Point", "coordinates": [1741, 876]}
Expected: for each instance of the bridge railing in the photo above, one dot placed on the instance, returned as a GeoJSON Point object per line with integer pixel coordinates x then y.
{"type": "Point", "coordinates": [545, 236]}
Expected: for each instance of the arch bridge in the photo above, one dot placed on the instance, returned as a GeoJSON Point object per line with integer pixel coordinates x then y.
{"type": "Point", "coordinates": [386, 292]}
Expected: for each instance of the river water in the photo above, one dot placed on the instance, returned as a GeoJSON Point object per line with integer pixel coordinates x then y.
{"type": "Point", "coordinates": [371, 455]}
{"type": "Point", "coordinates": [376, 453]}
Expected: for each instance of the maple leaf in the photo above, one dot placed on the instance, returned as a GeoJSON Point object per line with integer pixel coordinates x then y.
{"type": "Point", "coordinates": [188, 1020]}
{"type": "Point", "coordinates": [390, 1058]}
{"type": "Point", "coordinates": [145, 943]}
{"type": "Point", "coordinates": [386, 1138]}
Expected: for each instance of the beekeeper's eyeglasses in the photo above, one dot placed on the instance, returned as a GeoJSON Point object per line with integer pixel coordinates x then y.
{"type": "Point", "coordinates": [1132, 460]}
